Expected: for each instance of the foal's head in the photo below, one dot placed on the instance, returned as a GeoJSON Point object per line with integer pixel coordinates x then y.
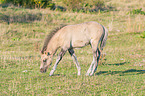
{"type": "Point", "coordinates": [45, 62]}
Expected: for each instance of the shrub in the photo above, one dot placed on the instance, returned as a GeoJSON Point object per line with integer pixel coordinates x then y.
{"type": "Point", "coordinates": [72, 4]}
{"type": "Point", "coordinates": [84, 5]}
{"type": "Point", "coordinates": [2, 1]}
{"type": "Point", "coordinates": [142, 35]}
{"type": "Point", "coordinates": [137, 11]}
{"type": "Point", "coordinates": [32, 3]}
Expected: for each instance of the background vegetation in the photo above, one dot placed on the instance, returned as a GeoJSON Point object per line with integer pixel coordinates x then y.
{"type": "Point", "coordinates": [30, 3]}
{"type": "Point", "coordinates": [121, 72]}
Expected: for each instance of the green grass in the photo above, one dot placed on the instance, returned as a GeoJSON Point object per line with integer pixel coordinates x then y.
{"type": "Point", "coordinates": [122, 72]}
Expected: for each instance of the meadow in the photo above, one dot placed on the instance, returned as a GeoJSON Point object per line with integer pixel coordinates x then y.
{"type": "Point", "coordinates": [121, 71]}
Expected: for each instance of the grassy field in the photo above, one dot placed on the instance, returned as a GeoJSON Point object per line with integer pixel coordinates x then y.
{"type": "Point", "coordinates": [122, 72]}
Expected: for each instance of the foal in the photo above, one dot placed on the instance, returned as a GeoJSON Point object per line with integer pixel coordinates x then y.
{"type": "Point", "coordinates": [70, 37]}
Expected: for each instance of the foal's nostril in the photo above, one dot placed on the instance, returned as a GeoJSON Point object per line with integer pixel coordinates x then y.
{"type": "Point", "coordinates": [42, 70]}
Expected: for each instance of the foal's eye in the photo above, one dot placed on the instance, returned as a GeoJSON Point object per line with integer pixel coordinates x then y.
{"type": "Point", "coordinates": [44, 60]}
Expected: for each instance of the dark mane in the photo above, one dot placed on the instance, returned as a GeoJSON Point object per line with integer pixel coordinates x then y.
{"type": "Point", "coordinates": [49, 36]}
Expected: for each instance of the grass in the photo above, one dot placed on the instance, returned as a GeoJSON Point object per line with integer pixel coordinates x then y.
{"type": "Point", "coordinates": [121, 72]}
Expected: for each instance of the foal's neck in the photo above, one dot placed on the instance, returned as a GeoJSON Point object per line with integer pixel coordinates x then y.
{"type": "Point", "coordinates": [52, 46]}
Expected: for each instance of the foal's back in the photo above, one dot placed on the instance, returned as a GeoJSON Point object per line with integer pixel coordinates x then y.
{"type": "Point", "coordinates": [80, 35]}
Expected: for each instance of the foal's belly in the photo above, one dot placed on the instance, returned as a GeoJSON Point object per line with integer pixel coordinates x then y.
{"type": "Point", "coordinates": [79, 43]}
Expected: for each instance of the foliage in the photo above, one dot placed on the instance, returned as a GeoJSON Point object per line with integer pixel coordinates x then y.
{"type": "Point", "coordinates": [72, 4]}
{"type": "Point", "coordinates": [32, 3]}
{"type": "Point", "coordinates": [81, 5]}
{"type": "Point", "coordinates": [137, 11]}
{"type": "Point", "coordinates": [142, 34]}
{"type": "Point", "coordinates": [2, 1]}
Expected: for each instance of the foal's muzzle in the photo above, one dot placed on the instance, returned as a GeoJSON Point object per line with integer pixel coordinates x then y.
{"type": "Point", "coordinates": [43, 70]}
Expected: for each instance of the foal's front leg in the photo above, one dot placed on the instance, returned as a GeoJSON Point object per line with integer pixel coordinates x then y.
{"type": "Point", "coordinates": [72, 53]}
{"type": "Point", "coordinates": [61, 54]}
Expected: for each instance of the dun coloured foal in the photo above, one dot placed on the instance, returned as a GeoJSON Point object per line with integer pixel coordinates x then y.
{"type": "Point", "coordinates": [70, 37]}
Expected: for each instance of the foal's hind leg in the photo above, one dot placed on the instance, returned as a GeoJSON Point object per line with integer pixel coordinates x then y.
{"type": "Point", "coordinates": [97, 56]}
{"type": "Point", "coordinates": [61, 54]}
{"type": "Point", "coordinates": [91, 67]}
{"type": "Point", "coordinates": [72, 53]}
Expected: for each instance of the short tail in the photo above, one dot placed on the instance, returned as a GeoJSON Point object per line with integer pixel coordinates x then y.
{"type": "Point", "coordinates": [104, 38]}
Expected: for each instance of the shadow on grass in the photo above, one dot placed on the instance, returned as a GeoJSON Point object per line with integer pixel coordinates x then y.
{"type": "Point", "coordinates": [58, 75]}
{"type": "Point", "coordinates": [118, 64]}
{"type": "Point", "coordinates": [122, 73]}
{"type": "Point", "coordinates": [20, 17]}
{"type": "Point", "coordinates": [46, 75]}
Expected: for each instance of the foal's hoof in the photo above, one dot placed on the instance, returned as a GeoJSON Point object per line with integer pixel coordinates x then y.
{"type": "Point", "coordinates": [50, 75]}
{"type": "Point", "coordinates": [42, 70]}
{"type": "Point", "coordinates": [79, 74]}
{"type": "Point", "coordinates": [91, 74]}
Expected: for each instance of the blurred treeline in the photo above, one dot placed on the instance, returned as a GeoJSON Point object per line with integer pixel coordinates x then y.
{"type": "Point", "coordinates": [30, 3]}
{"type": "Point", "coordinates": [70, 5]}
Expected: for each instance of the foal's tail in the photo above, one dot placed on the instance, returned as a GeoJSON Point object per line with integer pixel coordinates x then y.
{"type": "Point", "coordinates": [104, 38]}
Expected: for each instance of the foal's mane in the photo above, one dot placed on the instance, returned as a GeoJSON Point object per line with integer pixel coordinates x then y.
{"type": "Point", "coordinates": [49, 36]}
